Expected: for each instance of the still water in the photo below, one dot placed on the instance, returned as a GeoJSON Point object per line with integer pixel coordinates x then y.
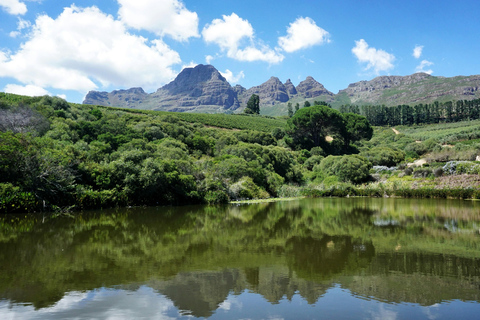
{"type": "Point", "coordinates": [302, 259]}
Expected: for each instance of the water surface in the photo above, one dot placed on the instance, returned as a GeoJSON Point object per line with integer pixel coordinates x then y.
{"type": "Point", "coordinates": [302, 259]}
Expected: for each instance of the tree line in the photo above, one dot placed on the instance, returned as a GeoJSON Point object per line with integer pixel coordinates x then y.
{"type": "Point", "coordinates": [436, 112]}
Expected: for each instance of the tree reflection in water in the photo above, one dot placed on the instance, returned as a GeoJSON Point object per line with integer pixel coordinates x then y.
{"type": "Point", "coordinates": [392, 250]}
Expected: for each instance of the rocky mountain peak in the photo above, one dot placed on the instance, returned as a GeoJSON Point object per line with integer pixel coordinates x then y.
{"type": "Point", "coordinates": [190, 78]}
{"type": "Point", "coordinates": [310, 88]}
{"type": "Point", "coordinates": [290, 88]}
{"type": "Point", "coordinates": [270, 92]}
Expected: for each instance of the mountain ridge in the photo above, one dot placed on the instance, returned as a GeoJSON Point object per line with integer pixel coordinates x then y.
{"type": "Point", "coordinates": [204, 89]}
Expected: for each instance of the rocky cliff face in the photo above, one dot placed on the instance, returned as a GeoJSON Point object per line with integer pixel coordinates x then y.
{"type": "Point", "coordinates": [310, 88]}
{"type": "Point", "coordinates": [270, 92]}
{"type": "Point", "coordinates": [199, 86]}
{"type": "Point", "coordinates": [118, 98]}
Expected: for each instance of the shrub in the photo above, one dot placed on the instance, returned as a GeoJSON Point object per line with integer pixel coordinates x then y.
{"type": "Point", "coordinates": [216, 197]}
{"type": "Point", "coordinates": [384, 156]}
{"type": "Point", "coordinates": [422, 173]}
{"type": "Point", "coordinates": [438, 172]}
{"type": "Point", "coordinates": [349, 168]}
{"type": "Point", "coordinates": [245, 188]}
{"type": "Point", "coordinates": [312, 162]}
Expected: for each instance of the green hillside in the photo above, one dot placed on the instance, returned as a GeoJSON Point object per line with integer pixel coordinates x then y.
{"type": "Point", "coordinates": [59, 156]}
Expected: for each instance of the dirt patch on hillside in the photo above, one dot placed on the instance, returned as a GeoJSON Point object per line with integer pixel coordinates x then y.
{"type": "Point", "coordinates": [396, 131]}
{"type": "Point", "coordinates": [417, 163]}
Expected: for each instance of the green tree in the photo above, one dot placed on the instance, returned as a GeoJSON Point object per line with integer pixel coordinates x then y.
{"type": "Point", "coordinates": [306, 104]}
{"type": "Point", "coordinates": [309, 127]}
{"type": "Point", "coordinates": [253, 105]}
{"type": "Point", "coordinates": [290, 110]}
{"type": "Point", "coordinates": [357, 128]}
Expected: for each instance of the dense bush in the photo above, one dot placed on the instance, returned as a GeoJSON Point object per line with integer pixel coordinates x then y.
{"type": "Point", "coordinates": [384, 156]}
{"type": "Point", "coordinates": [348, 168]}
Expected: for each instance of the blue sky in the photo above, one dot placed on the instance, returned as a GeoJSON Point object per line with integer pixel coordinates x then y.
{"type": "Point", "coordinates": [67, 48]}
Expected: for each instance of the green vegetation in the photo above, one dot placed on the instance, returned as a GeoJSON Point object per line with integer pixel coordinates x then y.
{"type": "Point", "coordinates": [253, 105]}
{"type": "Point", "coordinates": [58, 156]}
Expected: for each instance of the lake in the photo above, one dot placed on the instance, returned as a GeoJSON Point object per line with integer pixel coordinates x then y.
{"type": "Point", "coordinates": [349, 258]}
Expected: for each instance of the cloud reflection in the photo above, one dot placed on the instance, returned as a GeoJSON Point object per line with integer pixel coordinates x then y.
{"type": "Point", "coordinates": [143, 303]}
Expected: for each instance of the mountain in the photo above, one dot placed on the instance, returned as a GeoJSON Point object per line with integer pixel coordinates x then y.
{"type": "Point", "coordinates": [204, 89]}
{"type": "Point", "coordinates": [412, 89]}
{"type": "Point", "coordinates": [199, 89]}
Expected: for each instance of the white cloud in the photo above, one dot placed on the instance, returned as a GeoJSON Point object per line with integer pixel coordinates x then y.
{"type": "Point", "coordinates": [231, 33]}
{"type": "Point", "coordinates": [14, 7]}
{"type": "Point", "coordinates": [22, 24]}
{"type": "Point", "coordinates": [209, 59]}
{"type": "Point", "coordinates": [190, 65]}
{"type": "Point", "coordinates": [424, 64]}
{"type": "Point", "coordinates": [231, 78]}
{"type": "Point", "coordinates": [83, 47]}
{"type": "Point", "coordinates": [301, 34]}
{"type": "Point", "coordinates": [28, 90]}
{"type": "Point", "coordinates": [378, 60]}
{"type": "Point", "coordinates": [417, 51]}
{"type": "Point", "coordinates": [163, 17]}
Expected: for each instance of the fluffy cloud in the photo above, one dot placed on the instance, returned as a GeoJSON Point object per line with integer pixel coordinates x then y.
{"type": "Point", "coordinates": [424, 64]}
{"type": "Point", "coordinates": [301, 34]}
{"type": "Point", "coordinates": [22, 24]}
{"type": "Point", "coordinates": [14, 7]}
{"type": "Point", "coordinates": [417, 51]}
{"type": "Point", "coordinates": [231, 33]}
{"type": "Point", "coordinates": [231, 78]}
{"type": "Point", "coordinates": [163, 17]}
{"type": "Point", "coordinates": [28, 90]}
{"type": "Point", "coordinates": [83, 47]}
{"type": "Point", "coordinates": [378, 60]}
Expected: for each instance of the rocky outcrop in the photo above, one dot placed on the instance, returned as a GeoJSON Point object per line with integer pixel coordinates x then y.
{"type": "Point", "coordinates": [412, 89]}
{"type": "Point", "coordinates": [199, 86]}
{"type": "Point", "coordinates": [271, 92]}
{"type": "Point", "coordinates": [310, 88]}
{"type": "Point", "coordinates": [291, 90]}
{"type": "Point", "coordinates": [117, 98]}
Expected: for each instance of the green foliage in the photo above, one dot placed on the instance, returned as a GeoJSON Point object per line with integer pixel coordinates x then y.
{"type": "Point", "coordinates": [253, 105]}
{"type": "Point", "coordinates": [348, 168]}
{"type": "Point", "coordinates": [357, 128]}
{"type": "Point", "coordinates": [384, 156]}
{"type": "Point", "coordinates": [309, 127]}
{"type": "Point", "coordinates": [245, 188]}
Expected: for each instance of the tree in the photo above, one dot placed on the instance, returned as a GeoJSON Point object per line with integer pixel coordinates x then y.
{"type": "Point", "coordinates": [290, 110]}
{"type": "Point", "coordinates": [357, 128]}
{"type": "Point", "coordinates": [306, 104]}
{"type": "Point", "coordinates": [309, 127]}
{"type": "Point", "coordinates": [253, 105]}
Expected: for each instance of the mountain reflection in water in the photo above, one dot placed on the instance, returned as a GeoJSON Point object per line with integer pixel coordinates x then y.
{"type": "Point", "coordinates": [201, 261]}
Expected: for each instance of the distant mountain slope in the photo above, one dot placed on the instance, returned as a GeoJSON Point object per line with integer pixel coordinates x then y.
{"type": "Point", "coordinates": [204, 89]}
{"type": "Point", "coordinates": [413, 89]}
